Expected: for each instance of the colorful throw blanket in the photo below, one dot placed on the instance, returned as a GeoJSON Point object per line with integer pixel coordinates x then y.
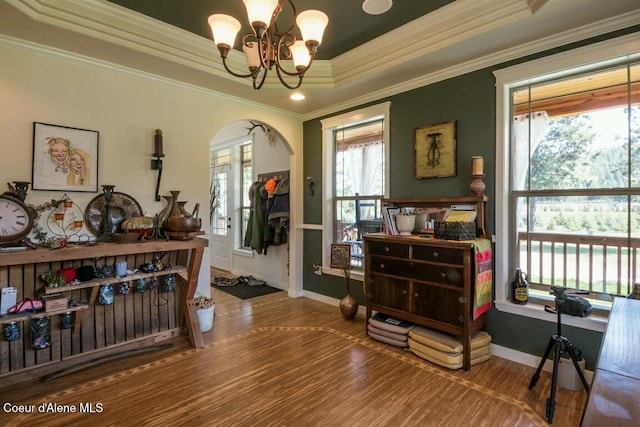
{"type": "Point", "coordinates": [482, 295]}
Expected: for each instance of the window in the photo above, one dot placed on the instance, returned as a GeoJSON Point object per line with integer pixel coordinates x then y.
{"type": "Point", "coordinates": [356, 172]}
{"type": "Point", "coordinates": [229, 190]}
{"type": "Point", "coordinates": [220, 165]}
{"type": "Point", "coordinates": [246, 162]}
{"type": "Point", "coordinates": [568, 142]}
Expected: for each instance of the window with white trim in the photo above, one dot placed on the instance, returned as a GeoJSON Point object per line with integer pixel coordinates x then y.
{"type": "Point", "coordinates": [356, 155]}
{"type": "Point", "coordinates": [568, 172]}
{"type": "Point", "coordinates": [229, 189]}
{"type": "Point", "coordinates": [246, 166]}
{"type": "Point", "coordinates": [220, 166]}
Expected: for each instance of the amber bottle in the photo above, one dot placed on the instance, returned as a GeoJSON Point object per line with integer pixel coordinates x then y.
{"type": "Point", "coordinates": [520, 287]}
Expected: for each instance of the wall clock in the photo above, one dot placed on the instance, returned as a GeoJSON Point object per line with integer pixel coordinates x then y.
{"type": "Point", "coordinates": [16, 221]}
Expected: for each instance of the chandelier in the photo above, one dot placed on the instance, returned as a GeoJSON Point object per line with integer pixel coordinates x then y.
{"type": "Point", "coordinates": [267, 47]}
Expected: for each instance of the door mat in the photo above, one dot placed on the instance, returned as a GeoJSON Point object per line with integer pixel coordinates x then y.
{"type": "Point", "coordinates": [243, 288]}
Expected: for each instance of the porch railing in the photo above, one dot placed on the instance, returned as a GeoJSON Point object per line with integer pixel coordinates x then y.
{"type": "Point", "coordinates": [599, 264]}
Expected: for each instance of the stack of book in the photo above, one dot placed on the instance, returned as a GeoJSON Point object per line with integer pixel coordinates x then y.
{"type": "Point", "coordinates": [389, 216]}
{"type": "Point", "coordinates": [446, 350]}
{"type": "Point", "coordinates": [389, 330]}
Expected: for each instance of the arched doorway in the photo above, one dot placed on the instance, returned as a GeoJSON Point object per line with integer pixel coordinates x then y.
{"type": "Point", "coordinates": [237, 148]}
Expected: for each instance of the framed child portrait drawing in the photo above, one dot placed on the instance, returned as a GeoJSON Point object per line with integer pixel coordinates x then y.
{"type": "Point", "coordinates": [64, 158]}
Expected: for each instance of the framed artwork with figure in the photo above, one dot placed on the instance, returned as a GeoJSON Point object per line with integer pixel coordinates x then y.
{"type": "Point", "coordinates": [435, 147]}
{"type": "Point", "coordinates": [64, 158]}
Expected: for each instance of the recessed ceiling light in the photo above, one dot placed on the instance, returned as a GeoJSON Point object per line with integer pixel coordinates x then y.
{"type": "Point", "coordinates": [297, 96]}
{"type": "Point", "coordinates": [376, 7]}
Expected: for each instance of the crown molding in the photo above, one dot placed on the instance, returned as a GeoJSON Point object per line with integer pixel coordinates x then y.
{"type": "Point", "coordinates": [97, 64]}
{"type": "Point", "coordinates": [562, 39]}
{"type": "Point", "coordinates": [411, 45]}
{"type": "Point", "coordinates": [535, 5]}
{"type": "Point", "coordinates": [114, 24]}
{"type": "Point", "coordinates": [411, 41]}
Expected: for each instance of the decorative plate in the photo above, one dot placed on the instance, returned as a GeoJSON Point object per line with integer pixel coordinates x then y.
{"type": "Point", "coordinates": [123, 207]}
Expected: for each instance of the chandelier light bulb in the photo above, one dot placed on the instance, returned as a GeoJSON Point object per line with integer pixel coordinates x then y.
{"type": "Point", "coordinates": [312, 24]}
{"type": "Point", "coordinates": [252, 55]}
{"type": "Point", "coordinates": [260, 13]}
{"type": "Point", "coordinates": [224, 29]}
{"type": "Point", "coordinates": [300, 55]}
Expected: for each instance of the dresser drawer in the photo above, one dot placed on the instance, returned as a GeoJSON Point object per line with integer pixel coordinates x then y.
{"type": "Point", "coordinates": [388, 249]}
{"type": "Point", "coordinates": [436, 254]}
{"type": "Point", "coordinates": [390, 266]}
{"type": "Point", "coordinates": [437, 274]}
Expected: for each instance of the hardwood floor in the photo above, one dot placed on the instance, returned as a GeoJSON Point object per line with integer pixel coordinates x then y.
{"type": "Point", "coordinates": [280, 361]}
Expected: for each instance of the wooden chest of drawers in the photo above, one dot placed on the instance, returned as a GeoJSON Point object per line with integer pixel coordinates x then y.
{"type": "Point", "coordinates": [423, 280]}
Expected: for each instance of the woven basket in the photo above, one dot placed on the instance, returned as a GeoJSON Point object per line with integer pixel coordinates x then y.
{"type": "Point", "coordinates": [455, 230]}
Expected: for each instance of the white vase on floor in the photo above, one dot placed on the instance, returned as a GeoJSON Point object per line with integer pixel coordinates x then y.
{"type": "Point", "coordinates": [405, 224]}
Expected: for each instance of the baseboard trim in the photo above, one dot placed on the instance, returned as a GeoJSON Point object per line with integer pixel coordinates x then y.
{"type": "Point", "coordinates": [329, 300]}
{"type": "Point", "coordinates": [496, 350]}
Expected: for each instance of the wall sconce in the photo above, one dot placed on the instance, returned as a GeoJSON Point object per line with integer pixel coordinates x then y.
{"type": "Point", "coordinates": [310, 185]}
{"type": "Point", "coordinates": [156, 164]}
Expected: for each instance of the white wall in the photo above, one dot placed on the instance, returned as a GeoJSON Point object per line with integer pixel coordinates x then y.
{"type": "Point", "coordinates": [38, 84]}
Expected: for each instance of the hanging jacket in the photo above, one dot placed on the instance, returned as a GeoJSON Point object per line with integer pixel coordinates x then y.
{"type": "Point", "coordinates": [278, 214]}
{"type": "Point", "coordinates": [254, 236]}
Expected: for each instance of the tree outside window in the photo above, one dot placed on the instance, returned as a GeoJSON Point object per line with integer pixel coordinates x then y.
{"type": "Point", "coordinates": [575, 181]}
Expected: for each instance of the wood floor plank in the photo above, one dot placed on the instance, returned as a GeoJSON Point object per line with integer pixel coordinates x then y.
{"type": "Point", "coordinates": [280, 361]}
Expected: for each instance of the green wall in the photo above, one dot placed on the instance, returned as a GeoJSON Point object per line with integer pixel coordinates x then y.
{"type": "Point", "coordinates": [470, 100]}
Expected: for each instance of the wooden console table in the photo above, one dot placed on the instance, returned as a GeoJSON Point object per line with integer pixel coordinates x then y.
{"type": "Point", "coordinates": [134, 320]}
{"type": "Point", "coordinates": [613, 399]}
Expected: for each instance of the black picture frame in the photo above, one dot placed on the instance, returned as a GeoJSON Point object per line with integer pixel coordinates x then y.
{"type": "Point", "coordinates": [435, 151]}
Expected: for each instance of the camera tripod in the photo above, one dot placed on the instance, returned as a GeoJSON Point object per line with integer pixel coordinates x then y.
{"type": "Point", "coordinates": [558, 343]}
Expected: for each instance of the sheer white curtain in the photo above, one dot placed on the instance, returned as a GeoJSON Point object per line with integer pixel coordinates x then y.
{"type": "Point", "coordinates": [365, 171]}
{"type": "Point", "coordinates": [528, 132]}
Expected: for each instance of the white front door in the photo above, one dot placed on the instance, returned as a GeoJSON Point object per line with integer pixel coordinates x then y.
{"type": "Point", "coordinates": [221, 210]}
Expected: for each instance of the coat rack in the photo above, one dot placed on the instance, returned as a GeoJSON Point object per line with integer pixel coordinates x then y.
{"type": "Point", "coordinates": [278, 176]}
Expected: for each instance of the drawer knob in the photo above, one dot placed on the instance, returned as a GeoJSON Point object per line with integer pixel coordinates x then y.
{"type": "Point", "coordinates": [404, 292]}
{"type": "Point", "coordinates": [434, 254]}
{"type": "Point", "coordinates": [382, 265]}
{"type": "Point", "coordinates": [443, 275]}
{"type": "Point", "coordinates": [387, 249]}
{"type": "Point", "coordinates": [416, 295]}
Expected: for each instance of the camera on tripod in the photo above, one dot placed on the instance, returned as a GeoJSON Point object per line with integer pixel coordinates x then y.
{"type": "Point", "coordinates": [569, 303]}
{"type": "Point", "coordinates": [559, 292]}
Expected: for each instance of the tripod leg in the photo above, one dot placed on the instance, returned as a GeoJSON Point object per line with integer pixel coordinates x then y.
{"type": "Point", "coordinates": [536, 376]}
{"type": "Point", "coordinates": [551, 401]}
{"type": "Point", "coordinates": [574, 359]}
